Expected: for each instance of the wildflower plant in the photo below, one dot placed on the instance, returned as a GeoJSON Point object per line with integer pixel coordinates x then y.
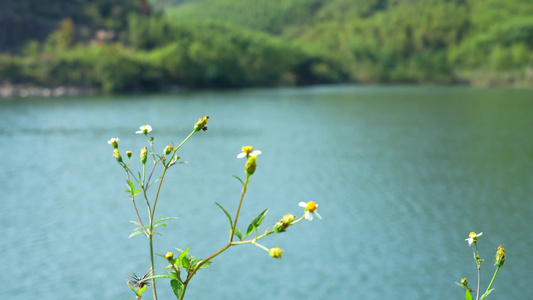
{"type": "Point", "coordinates": [498, 262]}
{"type": "Point", "coordinates": [183, 266]}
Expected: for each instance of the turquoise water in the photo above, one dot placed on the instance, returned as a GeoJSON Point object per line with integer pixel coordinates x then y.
{"type": "Point", "coordinates": [401, 176]}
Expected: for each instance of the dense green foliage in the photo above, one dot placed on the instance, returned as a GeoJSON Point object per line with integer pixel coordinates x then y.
{"type": "Point", "coordinates": [234, 43]}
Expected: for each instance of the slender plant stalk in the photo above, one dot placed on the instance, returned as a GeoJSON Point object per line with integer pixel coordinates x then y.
{"type": "Point", "coordinates": [490, 284]}
{"type": "Point", "coordinates": [244, 187]}
{"type": "Point", "coordinates": [151, 210]}
{"type": "Point", "coordinates": [229, 244]}
{"type": "Point", "coordinates": [478, 272]}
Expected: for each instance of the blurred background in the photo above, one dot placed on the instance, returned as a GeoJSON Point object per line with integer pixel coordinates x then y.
{"type": "Point", "coordinates": [408, 122]}
{"type": "Point", "coordinates": [146, 45]}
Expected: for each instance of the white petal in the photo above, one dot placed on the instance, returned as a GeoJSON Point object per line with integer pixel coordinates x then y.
{"type": "Point", "coordinates": [308, 216]}
{"type": "Point", "coordinates": [302, 204]}
{"type": "Point", "coordinates": [316, 213]}
{"type": "Point", "coordinates": [241, 155]}
{"type": "Point", "coordinates": [255, 153]}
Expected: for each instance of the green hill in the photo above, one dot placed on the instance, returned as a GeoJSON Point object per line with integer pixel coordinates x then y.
{"type": "Point", "coordinates": [236, 43]}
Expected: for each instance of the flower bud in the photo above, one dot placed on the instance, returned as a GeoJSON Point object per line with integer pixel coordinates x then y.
{"type": "Point", "coordinates": [143, 155]}
{"type": "Point", "coordinates": [464, 282]}
{"type": "Point", "coordinates": [250, 166]}
{"type": "Point", "coordinates": [201, 123]}
{"type": "Point", "coordinates": [275, 252]}
{"type": "Point", "coordinates": [116, 154]}
{"type": "Point", "coordinates": [282, 224]}
{"type": "Point", "coordinates": [113, 142]}
{"type": "Point", "coordinates": [128, 153]}
{"type": "Point", "coordinates": [500, 256]}
{"type": "Point", "coordinates": [169, 256]}
{"type": "Point", "coordinates": [168, 149]}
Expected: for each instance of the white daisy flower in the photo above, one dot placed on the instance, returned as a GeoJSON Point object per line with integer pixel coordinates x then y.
{"type": "Point", "coordinates": [310, 210]}
{"type": "Point", "coordinates": [248, 151]}
{"type": "Point", "coordinates": [472, 238]}
{"type": "Point", "coordinates": [144, 129]}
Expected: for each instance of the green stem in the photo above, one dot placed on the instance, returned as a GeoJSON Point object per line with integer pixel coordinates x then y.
{"type": "Point", "coordinates": [490, 284]}
{"type": "Point", "coordinates": [478, 262]}
{"type": "Point", "coordinates": [152, 264]}
{"type": "Point", "coordinates": [244, 187]}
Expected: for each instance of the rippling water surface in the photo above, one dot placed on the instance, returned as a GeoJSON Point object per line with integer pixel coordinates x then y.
{"type": "Point", "coordinates": [401, 176]}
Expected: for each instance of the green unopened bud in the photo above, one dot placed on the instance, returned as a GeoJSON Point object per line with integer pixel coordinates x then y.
{"type": "Point", "coordinates": [128, 153]}
{"type": "Point", "coordinates": [201, 123]}
{"type": "Point", "coordinates": [116, 154]}
{"type": "Point", "coordinates": [144, 155]}
{"type": "Point", "coordinates": [168, 149]}
{"type": "Point", "coordinates": [500, 256]}
{"type": "Point", "coordinates": [251, 164]}
{"type": "Point", "coordinates": [275, 252]}
{"type": "Point", "coordinates": [169, 256]}
{"type": "Point", "coordinates": [282, 224]}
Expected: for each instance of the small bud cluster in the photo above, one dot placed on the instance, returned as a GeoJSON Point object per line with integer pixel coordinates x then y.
{"type": "Point", "coordinates": [284, 223]}
{"type": "Point", "coordinates": [201, 124]}
{"type": "Point", "coordinates": [500, 256]}
{"type": "Point", "coordinates": [275, 252]}
{"type": "Point", "coordinates": [144, 154]}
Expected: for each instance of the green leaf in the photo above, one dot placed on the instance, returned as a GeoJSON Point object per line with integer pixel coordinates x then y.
{"type": "Point", "coordinates": [177, 287]}
{"type": "Point", "coordinates": [256, 223]}
{"type": "Point", "coordinates": [164, 219]}
{"type": "Point", "coordinates": [136, 223]}
{"type": "Point", "coordinates": [131, 185]}
{"type": "Point", "coordinates": [133, 289]}
{"type": "Point", "coordinates": [159, 276]}
{"type": "Point", "coordinates": [206, 264]}
{"type": "Point", "coordinates": [487, 293]}
{"type": "Point", "coordinates": [468, 296]}
{"type": "Point", "coordinates": [135, 233]}
{"type": "Point", "coordinates": [142, 290]}
{"type": "Point", "coordinates": [238, 234]}
{"type": "Point", "coordinates": [152, 183]}
{"type": "Point", "coordinates": [227, 215]}
{"type": "Point", "coordinates": [182, 257]}
{"type": "Point", "coordinates": [242, 182]}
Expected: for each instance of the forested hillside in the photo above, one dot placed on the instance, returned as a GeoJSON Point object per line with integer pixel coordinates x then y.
{"type": "Point", "coordinates": [126, 45]}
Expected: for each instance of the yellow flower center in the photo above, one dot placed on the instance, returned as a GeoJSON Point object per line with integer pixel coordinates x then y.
{"type": "Point", "coordinates": [472, 235]}
{"type": "Point", "coordinates": [311, 206]}
{"type": "Point", "coordinates": [247, 149]}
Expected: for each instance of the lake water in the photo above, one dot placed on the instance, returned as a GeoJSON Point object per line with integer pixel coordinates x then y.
{"type": "Point", "coordinates": [401, 176]}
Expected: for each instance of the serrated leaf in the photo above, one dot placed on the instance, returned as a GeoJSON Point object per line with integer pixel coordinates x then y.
{"type": "Point", "coordinates": [227, 215]}
{"type": "Point", "coordinates": [177, 288]}
{"type": "Point", "coordinates": [206, 264]}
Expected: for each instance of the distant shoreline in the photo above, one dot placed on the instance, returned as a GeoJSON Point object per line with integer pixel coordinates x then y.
{"type": "Point", "coordinates": [8, 90]}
